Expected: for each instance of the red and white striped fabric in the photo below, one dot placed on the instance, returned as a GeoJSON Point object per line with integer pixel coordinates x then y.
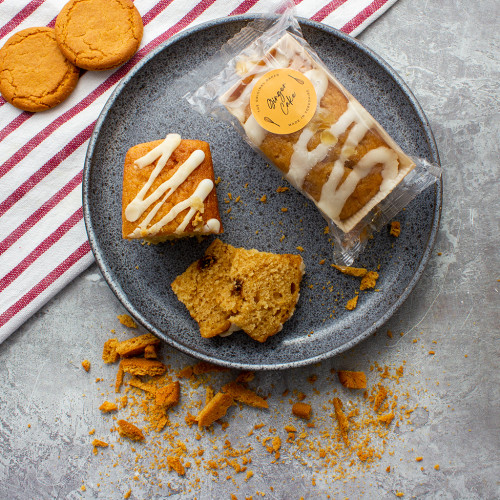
{"type": "Point", "coordinates": [43, 244]}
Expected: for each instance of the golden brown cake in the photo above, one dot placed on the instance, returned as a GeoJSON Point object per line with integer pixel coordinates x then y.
{"type": "Point", "coordinates": [342, 159]}
{"type": "Point", "coordinates": [169, 190]}
{"type": "Point", "coordinates": [232, 288]}
{"type": "Point", "coordinates": [206, 289]}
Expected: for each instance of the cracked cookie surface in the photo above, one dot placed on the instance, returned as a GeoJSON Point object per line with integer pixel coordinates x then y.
{"type": "Point", "coordinates": [34, 74]}
{"type": "Point", "coordinates": [99, 34]}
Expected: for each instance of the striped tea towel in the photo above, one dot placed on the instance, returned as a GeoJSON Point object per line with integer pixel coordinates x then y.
{"type": "Point", "coordinates": [43, 244]}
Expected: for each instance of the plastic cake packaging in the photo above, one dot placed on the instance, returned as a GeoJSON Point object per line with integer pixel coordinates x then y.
{"type": "Point", "coordinates": [287, 105]}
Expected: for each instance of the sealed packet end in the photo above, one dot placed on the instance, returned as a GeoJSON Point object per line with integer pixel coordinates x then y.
{"type": "Point", "coordinates": [347, 246]}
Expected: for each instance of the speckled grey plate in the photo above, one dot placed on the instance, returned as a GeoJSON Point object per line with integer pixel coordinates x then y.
{"type": "Point", "coordinates": [148, 104]}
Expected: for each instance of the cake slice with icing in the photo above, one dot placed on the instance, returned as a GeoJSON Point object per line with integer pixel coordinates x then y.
{"type": "Point", "coordinates": [169, 190]}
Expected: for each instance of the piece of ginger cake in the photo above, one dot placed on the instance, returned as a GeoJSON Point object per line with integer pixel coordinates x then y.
{"type": "Point", "coordinates": [232, 288]}
{"type": "Point", "coordinates": [169, 190]}
{"type": "Point", "coordinates": [205, 289]}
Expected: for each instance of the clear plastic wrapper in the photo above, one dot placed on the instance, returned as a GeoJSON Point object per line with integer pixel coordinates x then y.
{"type": "Point", "coordinates": [271, 85]}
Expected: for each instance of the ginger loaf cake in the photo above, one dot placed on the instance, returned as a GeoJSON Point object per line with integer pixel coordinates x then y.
{"type": "Point", "coordinates": [169, 190]}
{"type": "Point", "coordinates": [342, 159]}
{"type": "Point", "coordinates": [231, 289]}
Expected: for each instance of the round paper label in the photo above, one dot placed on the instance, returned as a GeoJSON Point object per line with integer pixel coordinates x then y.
{"type": "Point", "coordinates": [283, 101]}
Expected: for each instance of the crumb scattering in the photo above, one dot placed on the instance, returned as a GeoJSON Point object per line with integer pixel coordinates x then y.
{"type": "Point", "coordinates": [127, 320]}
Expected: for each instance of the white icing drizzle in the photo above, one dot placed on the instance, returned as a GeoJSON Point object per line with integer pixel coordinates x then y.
{"type": "Point", "coordinates": [332, 200]}
{"type": "Point", "coordinates": [194, 202]}
{"type": "Point", "coordinates": [333, 197]}
{"type": "Point", "coordinates": [320, 82]}
{"type": "Point", "coordinates": [254, 131]}
{"type": "Point", "coordinates": [140, 204]}
{"type": "Point", "coordinates": [212, 226]}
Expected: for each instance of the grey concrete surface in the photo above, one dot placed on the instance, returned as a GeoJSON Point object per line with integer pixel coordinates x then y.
{"type": "Point", "coordinates": [448, 53]}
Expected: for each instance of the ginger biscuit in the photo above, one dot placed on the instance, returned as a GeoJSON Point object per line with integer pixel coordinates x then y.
{"type": "Point", "coordinates": [34, 74]}
{"type": "Point", "coordinates": [99, 34]}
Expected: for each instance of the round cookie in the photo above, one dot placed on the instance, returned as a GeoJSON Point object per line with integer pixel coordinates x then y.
{"type": "Point", "coordinates": [99, 34]}
{"type": "Point", "coordinates": [34, 74]}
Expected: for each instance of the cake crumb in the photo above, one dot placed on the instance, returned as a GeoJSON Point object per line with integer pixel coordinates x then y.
{"type": "Point", "coordinates": [215, 409]}
{"type": "Point", "coordinates": [341, 419]}
{"type": "Point", "coordinates": [357, 272]}
{"type": "Point", "coordinates": [97, 443]}
{"type": "Point", "coordinates": [86, 365]}
{"type": "Point", "coordinates": [168, 396]}
{"type": "Point", "coordinates": [419, 459]}
{"type": "Point", "coordinates": [108, 407]}
{"type": "Point", "coordinates": [136, 345]}
{"type": "Point", "coordinates": [436, 467]}
{"type": "Point", "coordinates": [300, 249]}
{"type": "Point", "coordinates": [263, 199]}
{"type": "Point", "coordinates": [302, 410]}
{"type": "Point", "coordinates": [389, 334]}
{"type": "Point", "coordinates": [141, 367]}
{"type": "Point", "coordinates": [352, 380]}
{"type": "Point", "coordinates": [244, 395]}
{"type": "Point", "coordinates": [386, 419]}
{"type": "Point", "coordinates": [128, 430]}
{"type": "Point", "coordinates": [109, 354]}
{"type": "Point", "coordinates": [395, 229]}
{"type": "Point", "coordinates": [352, 303]}
{"type": "Point", "coordinates": [379, 398]}
{"type": "Point", "coordinates": [284, 209]}
{"type": "Point", "coordinates": [150, 352]}
{"type": "Point", "coordinates": [127, 320]}
{"type": "Point", "coordinates": [175, 464]}
{"type": "Point", "coordinates": [127, 495]}
{"type": "Point", "coordinates": [369, 280]}
{"type": "Point", "coordinates": [186, 372]}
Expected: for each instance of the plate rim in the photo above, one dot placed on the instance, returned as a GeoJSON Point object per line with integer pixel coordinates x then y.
{"type": "Point", "coordinates": [122, 296]}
